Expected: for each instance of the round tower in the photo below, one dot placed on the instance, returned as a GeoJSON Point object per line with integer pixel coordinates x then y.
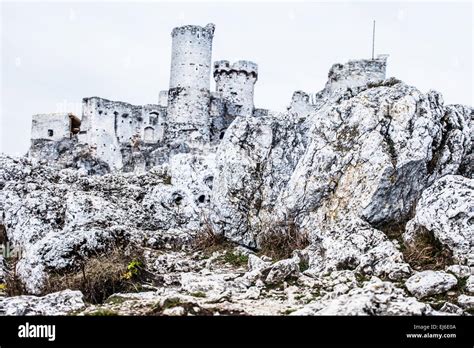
{"type": "Point", "coordinates": [235, 83]}
{"type": "Point", "coordinates": [189, 95]}
{"type": "Point", "coordinates": [191, 56]}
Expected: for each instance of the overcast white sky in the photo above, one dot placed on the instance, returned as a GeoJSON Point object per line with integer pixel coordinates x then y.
{"type": "Point", "coordinates": [55, 53]}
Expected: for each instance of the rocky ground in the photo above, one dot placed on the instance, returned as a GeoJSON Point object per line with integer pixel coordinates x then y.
{"type": "Point", "coordinates": [361, 205]}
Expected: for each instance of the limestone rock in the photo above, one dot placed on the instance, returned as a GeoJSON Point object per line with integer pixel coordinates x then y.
{"type": "Point", "coordinates": [451, 309]}
{"type": "Point", "coordinates": [254, 162]}
{"type": "Point", "coordinates": [355, 245]}
{"type": "Point", "coordinates": [470, 285]}
{"type": "Point", "coordinates": [59, 218]}
{"type": "Point", "coordinates": [57, 303]}
{"type": "Point", "coordinates": [459, 271]}
{"type": "Point", "coordinates": [429, 283]}
{"type": "Point", "coordinates": [339, 282]}
{"type": "Point", "coordinates": [376, 297]}
{"type": "Point", "coordinates": [256, 263]}
{"type": "Point", "coordinates": [445, 209]}
{"type": "Point", "coordinates": [466, 302]}
{"type": "Point", "coordinates": [283, 269]}
{"type": "Point", "coordinates": [367, 152]}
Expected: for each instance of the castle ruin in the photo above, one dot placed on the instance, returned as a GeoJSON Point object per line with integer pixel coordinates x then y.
{"type": "Point", "coordinates": [187, 116]}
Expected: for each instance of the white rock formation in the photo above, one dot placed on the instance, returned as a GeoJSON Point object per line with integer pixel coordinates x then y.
{"type": "Point", "coordinates": [428, 283]}
{"type": "Point", "coordinates": [466, 302]}
{"type": "Point", "coordinates": [57, 303]}
{"type": "Point", "coordinates": [374, 298]}
{"type": "Point", "coordinates": [446, 210]}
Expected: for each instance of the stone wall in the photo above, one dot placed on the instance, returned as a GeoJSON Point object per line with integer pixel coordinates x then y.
{"type": "Point", "coordinates": [110, 125]}
{"type": "Point", "coordinates": [188, 115]}
{"type": "Point", "coordinates": [55, 126]}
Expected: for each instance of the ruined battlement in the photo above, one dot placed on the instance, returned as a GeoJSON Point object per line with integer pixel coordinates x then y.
{"type": "Point", "coordinates": [207, 31]}
{"type": "Point", "coordinates": [54, 126]}
{"type": "Point", "coordinates": [356, 73]}
{"type": "Point", "coordinates": [235, 83]}
{"type": "Point", "coordinates": [240, 67]}
{"type": "Point", "coordinates": [300, 96]}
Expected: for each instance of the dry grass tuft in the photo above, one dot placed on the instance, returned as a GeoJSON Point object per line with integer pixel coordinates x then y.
{"type": "Point", "coordinates": [425, 252]}
{"type": "Point", "coordinates": [102, 275]}
{"type": "Point", "coordinates": [209, 240]}
{"type": "Point", "coordinates": [278, 240]}
{"type": "Point", "coordinates": [13, 284]}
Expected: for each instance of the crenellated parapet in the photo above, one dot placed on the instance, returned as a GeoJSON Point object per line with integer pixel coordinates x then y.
{"type": "Point", "coordinates": [245, 67]}
{"type": "Point", "coordinates": [235, 83]}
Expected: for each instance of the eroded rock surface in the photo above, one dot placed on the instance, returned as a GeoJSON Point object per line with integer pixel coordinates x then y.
{"type": "Point", "coordinates": [58, 303]}
{"type": "Point", "coordinates": [374, 298]}
{"type": "Point", "coordinates": [446, 210]}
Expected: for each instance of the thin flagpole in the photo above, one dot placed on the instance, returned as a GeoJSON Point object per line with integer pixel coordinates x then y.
{"type": "Point", "coordinates": [373, 41]}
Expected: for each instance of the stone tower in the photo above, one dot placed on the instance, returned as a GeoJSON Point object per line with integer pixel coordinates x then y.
{"type": "Point", "coordinates": [189, 96]}
{"type": "Point", "coordinates": [357, 73]}
{"type": "Point", "coordinates": [235, 83]}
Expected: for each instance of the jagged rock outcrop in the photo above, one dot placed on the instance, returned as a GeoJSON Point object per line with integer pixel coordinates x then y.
{"type": "Point", "coordinates": [68, 153]}
{"type": "Point", "coordinates": [446, 210]}
{"type": "Point", "coordinates": [58, 218]}
{"type": "Point", "coordinates": [368, 154]}
{"type": "Point", "coordinates": [254, 162]}
{"type": "Point", "coordinates": [355, 245]}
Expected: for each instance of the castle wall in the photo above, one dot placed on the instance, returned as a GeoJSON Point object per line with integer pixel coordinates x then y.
{"type": "Point", "coordinates": [110, 125]}
{"type": "Point", "coordinates": [235, 83]}
{"type": "Point", "coordinates": [188, 115]}
{"type": "Point", "coordinates": [55, 126]}
{"type": "Point", "coordinates": [154, 123]}
{"type": "Point", "coordinates": [220, 120]}
{"type": "Point", "coordinates": [99, 118]}
{"type": "Point", "coordinates": [356, 73]}
{"type": "Point", "coordinates": [163, 98]}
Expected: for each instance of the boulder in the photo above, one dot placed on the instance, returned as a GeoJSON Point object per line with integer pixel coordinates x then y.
{"type": "Point", "coordinates": [283, 269]}
{"type": "Point", "coordinates": [355, 245]}
{"type": "Point", "coordinates": [445, 209]}
{"type": "Point", "coordinates": [428, 283]}
{"type": "Point", "coordinates": [466, 302]}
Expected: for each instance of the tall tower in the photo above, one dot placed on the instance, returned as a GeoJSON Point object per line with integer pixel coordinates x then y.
{"type": "Point", "coordinates": [235, 83]}
{"type": "Point", "coordinates": [189, 96]}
